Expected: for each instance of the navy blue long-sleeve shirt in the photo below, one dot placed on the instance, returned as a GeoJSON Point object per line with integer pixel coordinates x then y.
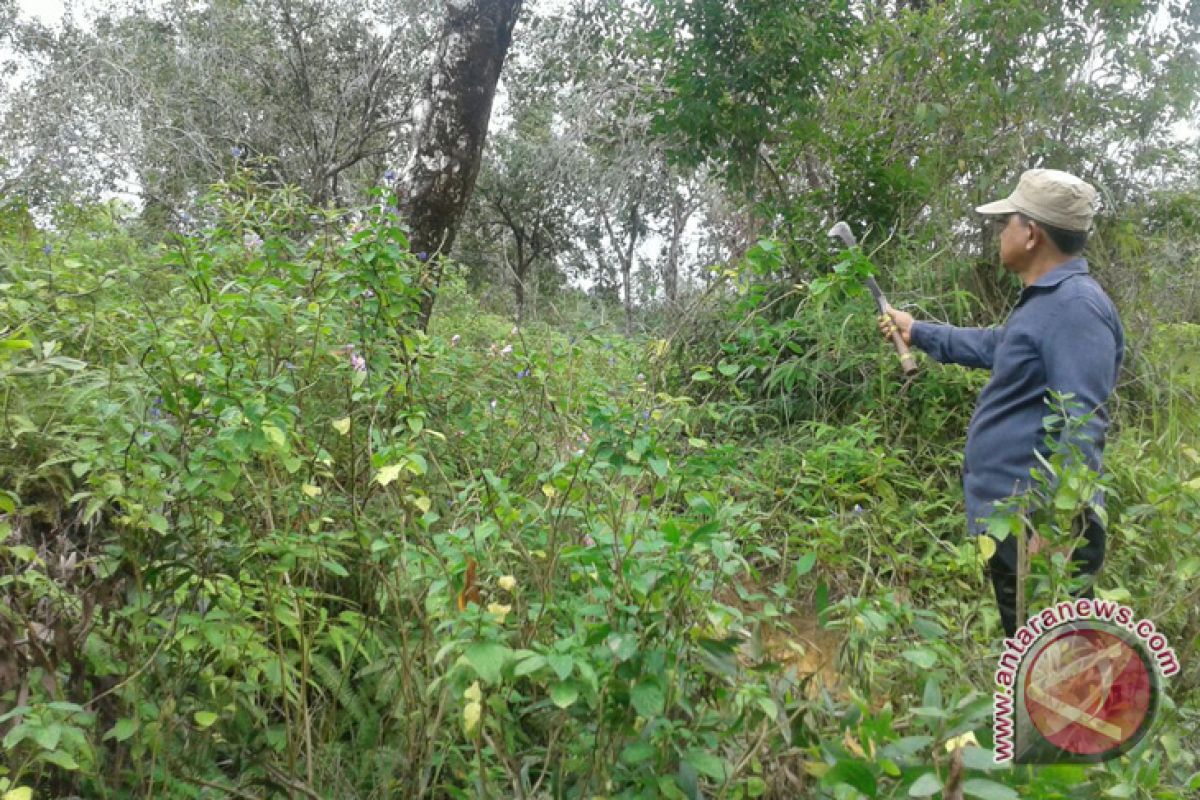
{"type": "Point", "coordinates": [1065, 336]}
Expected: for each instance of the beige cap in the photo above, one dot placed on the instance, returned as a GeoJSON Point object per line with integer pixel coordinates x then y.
{"type": "Point", "coordinates": [1051, 196]}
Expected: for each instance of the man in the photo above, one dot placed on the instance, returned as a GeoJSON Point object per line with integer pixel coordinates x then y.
{"type": "Point", "coordinates": [1063, 336]}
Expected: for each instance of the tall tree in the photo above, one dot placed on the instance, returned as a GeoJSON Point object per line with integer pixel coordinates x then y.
{"type": "Point", "coordinates": [454, 109]}
{"type": "Point", "coordinates": [161, 99]}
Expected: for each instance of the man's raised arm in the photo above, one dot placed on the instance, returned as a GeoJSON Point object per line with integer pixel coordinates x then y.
{"type": "Point", "coordinates": [970, 347]}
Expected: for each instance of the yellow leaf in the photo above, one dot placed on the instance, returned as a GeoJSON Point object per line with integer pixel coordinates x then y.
{"type": "Point", "coordinates": [987, 547]}
{"type": "Point", "coordinates": [474, 693]}
{"type": "Point", "coordinates": [274, 435]}
{"type": "Point", "coordinates": [310, 490]}
{"type": "Point", "coordinates": [388, 474]}
{"type": "Point", "coordinates": [508, 583]}
{"type": "Point", "coordinates": [549, 490]}
{"type": "Point", "coordinates": [20, 793]}
{"type": "Point", "coordinates": [423, 503]}
{"type": "Point", "coordinates": [1194, 483]}
{"type": "Point", "coordinates": [499, 611]}
{"type": "Point", "coordinates": [342, 426]}
{"type": "Point", "coordinates": [471, 714]}
{"type": "Point", "coordinates": [959, 742]}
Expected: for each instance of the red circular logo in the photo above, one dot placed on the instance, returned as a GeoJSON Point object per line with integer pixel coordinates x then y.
{"type": "Point", "coordinates": [1088, 691]}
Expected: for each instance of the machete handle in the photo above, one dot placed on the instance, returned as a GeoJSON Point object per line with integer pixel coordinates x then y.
{"type": "Point", "coordinates": [907, 363]}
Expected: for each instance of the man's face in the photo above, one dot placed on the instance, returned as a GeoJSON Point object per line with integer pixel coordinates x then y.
{"type": "Point", "coordinates": [1016, 242]}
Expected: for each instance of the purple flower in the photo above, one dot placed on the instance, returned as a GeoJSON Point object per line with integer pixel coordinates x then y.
{"type": "Point", "coordinates": [367, 293]}
{"type": "Point", "coordinates": [588, 541]}
{"type": "Point", "coordinates": [422, 256]}
{"type": "Point", "coordinates": [358, 362]}
{"type": "Point", "coordinates": [646, 414]}
{"type": "Point", "coordinates": [236, 151]}
{"type": "Point", "coordinates": [523, 373]}
{"type": "Point", "coordinates": [390, 175]}
{"type": "Point", "coordinates": [47, 249]}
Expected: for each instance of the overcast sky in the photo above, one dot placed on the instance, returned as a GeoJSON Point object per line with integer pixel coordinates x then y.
{"type": "Point", "coordinates": [46, 10]}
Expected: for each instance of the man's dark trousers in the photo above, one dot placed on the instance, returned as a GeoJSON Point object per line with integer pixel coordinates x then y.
{"type": "Point", "coordinates": [1002, 567]}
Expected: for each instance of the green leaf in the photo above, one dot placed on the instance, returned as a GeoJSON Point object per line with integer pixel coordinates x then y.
{"type": "Point", "coordinates": [927, 785]}
{"type": "Point", "coordinates": [707, 764]}
{"type": "Point", "coordinates": [562, 664]}
{"type": "Point", "coordinates": [335, 568]}
{"type": "Point", "coordinates": [637, 752]}
{"type": "Point", "coordinates": [529, 665]}
{"type": "Point", "coordinates": [122, 730]}
{"type": "Point", "coordinates": [648, 699]}
{"type": "Point", "coordinates": [204, 719]}
{"type": "Point", "coordinates": [487, 659]}
{"type": "Point", "coordinates": [564, 695]}
{"type": "Point", "coordinates": [659, 465]}
{"type": "Point", "coordinates": [70, 364]}
{"type": "Point", "coordinates": [921, 656]}
{"type": "Point", "coordinates": [623, 646]}
{"type": "Point", "coordinates": [49, 736]}
{"type": "Point", "coordinates": [980, 759]}
{"type": "Point", "coordinates": [699, 376]}
{"type": "Point", "coordinates": [852, 773]}
{"type": "Point", "coordinates": [805, 564]}
{"type": "Point", "coordinates": [988, 790]}
{"type": "Point", "coordinates": [60, 758]}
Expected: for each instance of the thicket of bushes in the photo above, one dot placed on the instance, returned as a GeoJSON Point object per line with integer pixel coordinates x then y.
{"type": "Point", "coordinates": [261, 537]}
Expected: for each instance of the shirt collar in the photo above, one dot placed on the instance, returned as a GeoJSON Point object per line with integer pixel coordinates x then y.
{"type": "Point", "coordinates": [1075, 266]}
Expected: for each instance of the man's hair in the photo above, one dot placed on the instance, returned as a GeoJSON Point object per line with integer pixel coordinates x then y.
{"type": "Point", "coordinates": [1069, 243]}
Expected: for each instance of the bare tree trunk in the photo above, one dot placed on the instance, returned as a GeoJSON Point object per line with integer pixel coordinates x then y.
{"type": "Point", "coordinates": [625, 247]}
{"type": "Point", "coordinates": [455, 109]}
{"type": "Point", "coordinates": [681, 212]}
{"type": "Point", "coordinates": [520, 274]}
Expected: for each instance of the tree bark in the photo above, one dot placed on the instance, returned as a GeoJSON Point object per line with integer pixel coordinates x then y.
{"type": "Point", "coordinates": [681, 212]}
{"type": "Point", "coordinates": [449, 134]}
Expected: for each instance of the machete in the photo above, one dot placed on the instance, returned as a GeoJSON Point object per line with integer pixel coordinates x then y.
{"type": "Point", "coordinates": [907, 363]}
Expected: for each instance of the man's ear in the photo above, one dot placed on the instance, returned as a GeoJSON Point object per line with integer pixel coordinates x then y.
{"type": "Point", "coordinates": [1034, 232]}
